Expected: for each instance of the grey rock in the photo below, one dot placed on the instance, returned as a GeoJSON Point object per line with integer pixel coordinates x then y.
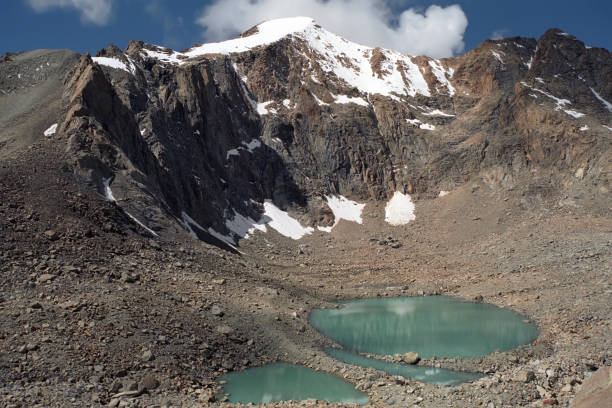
{"type": "Point", "coordinates": [216, 310]}
{"type": "Point", "coordinates": [149, 382]}
{"type": "Point", "coordinates": [411, 358]}
{"type": "Point", "coordinates": [224, 329]}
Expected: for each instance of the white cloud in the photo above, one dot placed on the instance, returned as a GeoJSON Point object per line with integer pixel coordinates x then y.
{"type": "Point", "coordinates": [435, 31]}
{"type": "Point", "coordinates": [92, 11]}
{"type": "Point", "coordinates": [499, 34]}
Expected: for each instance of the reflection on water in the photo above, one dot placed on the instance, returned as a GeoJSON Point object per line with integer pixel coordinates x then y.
{"type": "Point", "coordinates": [285, 382]}
{"type": "Point", "coordinates": [431, 326]}
{"type": "Point", "coordinates": [419, 373]}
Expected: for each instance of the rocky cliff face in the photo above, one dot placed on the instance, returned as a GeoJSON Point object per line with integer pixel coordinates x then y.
{"type": "Point", "coordinates": [289, 112]}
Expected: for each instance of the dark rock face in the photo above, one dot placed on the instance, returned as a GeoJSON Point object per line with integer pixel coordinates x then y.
{"type": "Point", "coordinates": [212, 135]}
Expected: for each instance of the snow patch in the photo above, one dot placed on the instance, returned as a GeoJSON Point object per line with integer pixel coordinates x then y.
{"type": "Point", "coordinates": [319, 102]}
{"type": "Point", "coordinates": [108, 193]}
{"type": "Point", "coordinates": [438, 112]}
{"type": "Point", "coordinates": [559, 101]}
{"type": "Point", "coordinates": [149, 230]}
{"type": "Point", "coordinates": [343, 99]}
{"type": "Point", "coordinates": [248, 146]}
{"type": "Point", "coordinates": [440, 74]}
{"type": "Point", "coordinates": [113, 63]}
{"type": "Point", "coordinates": [252, 145]}
{"type": "Point", "coordinates": [607, 127]}
{"type": "Point", "coordinates": [573, 113]}
{"type": "Point", "coordinates": [190, 223]}
{"type": "Point", "coordinates": [283, 223]}
{"type": "Point", "coordinates": [232, 152]}
{"type": "Point", "coordinates": [344, 209]}
{"type": "Point", "coordinates": [443, 193]}
{"type": "Point", "coordinates": [498, 57]}
{"type": "Point", "coordinates": [171, 57]}
{"type": "Point", "coordinates": [421, 125]}
{"type": "Point", "coordinates": [607, 104]}
{"type": "Point", "coordinates": [262, 108]}
{"type": "Point", "coordinates": [244, 226]}
{"type": "Point", "coordinates": [400, 209]}
{"type": "Point", "coordinates": [584, 128]}
{"type": "Point", "coordinates": [51, 131]}
{"type": "Point", "coordinates": [427, 126]}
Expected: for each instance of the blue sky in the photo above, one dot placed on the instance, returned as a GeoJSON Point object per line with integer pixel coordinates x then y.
{"type": "Point", "coordinates": [86, 25]}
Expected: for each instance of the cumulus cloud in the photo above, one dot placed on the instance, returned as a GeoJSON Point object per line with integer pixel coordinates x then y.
{"type": "Point", "coordinates": [92, 11]}
{"type": "Point", "coordinates": [435, 31]}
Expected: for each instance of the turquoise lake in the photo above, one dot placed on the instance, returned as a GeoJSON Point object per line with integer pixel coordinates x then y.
{"type": "Point", "coordinates": [429, 325]}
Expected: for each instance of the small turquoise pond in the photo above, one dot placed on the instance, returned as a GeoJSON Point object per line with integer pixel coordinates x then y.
{"type": "Point", "coordinates": [429, 325]}
{"type": "Point", "coordinates": [286, 382]}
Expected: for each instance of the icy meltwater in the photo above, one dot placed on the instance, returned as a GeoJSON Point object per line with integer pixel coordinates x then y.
{"type": "Point", "coordinates": [287, 382]}
{"type": "Point", "coordinates": [431, 326]}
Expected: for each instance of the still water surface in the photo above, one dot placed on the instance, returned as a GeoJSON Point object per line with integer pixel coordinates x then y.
{"type": "Point", "coordinates": [429, 325]}
{"type": "Point", "coordinates": [286, 382]}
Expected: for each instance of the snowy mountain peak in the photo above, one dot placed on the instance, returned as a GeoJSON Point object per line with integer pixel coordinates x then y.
{"type": "Point", "coordinates": [369, 70]}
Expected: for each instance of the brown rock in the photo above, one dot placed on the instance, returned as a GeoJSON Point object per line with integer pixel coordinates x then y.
{"type": "Point", "coordinates": [596, 392]}
{"type": "Point", "coordinates": [149, 383]}
{"type": "Point", "coordinates": [45, 277]}
{"type": "Point", "coordinates": [51, 235]}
